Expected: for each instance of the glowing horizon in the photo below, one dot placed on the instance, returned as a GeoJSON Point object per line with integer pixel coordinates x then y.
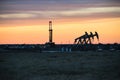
{"type": "Point", "coordinates": [26, 22]}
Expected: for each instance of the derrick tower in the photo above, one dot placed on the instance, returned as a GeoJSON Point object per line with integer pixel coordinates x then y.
{"type": "Point", "coordinates": [50, 43]}
{"type": "Point", "coordinates": [50, 32]}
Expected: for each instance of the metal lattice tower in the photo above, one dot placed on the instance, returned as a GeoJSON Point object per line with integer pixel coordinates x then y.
{"type": "Point", "coordinates": [50, 31]}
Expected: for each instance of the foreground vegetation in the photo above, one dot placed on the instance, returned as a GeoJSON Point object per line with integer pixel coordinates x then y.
{"type": "Point", "coordinates": [88, 65]}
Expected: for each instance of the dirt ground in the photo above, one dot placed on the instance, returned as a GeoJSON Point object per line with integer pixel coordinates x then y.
{"type": "Point", "coordinates": [90, 65]}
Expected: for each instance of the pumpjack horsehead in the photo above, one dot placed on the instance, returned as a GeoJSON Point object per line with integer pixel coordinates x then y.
{"type": "Point", "coordinates": [86, 38]}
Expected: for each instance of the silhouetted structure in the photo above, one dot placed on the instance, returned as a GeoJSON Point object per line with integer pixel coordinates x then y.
{"type": "Point", "coordinates": [50, 31]}
{"type": "Point", "coordinates": [50, 43]}
{"type": "Point", "coordinates": [86, 38]}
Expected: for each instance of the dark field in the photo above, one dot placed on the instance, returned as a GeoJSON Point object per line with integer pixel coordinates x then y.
{"type": "Point", "coordinates": [60, 66]}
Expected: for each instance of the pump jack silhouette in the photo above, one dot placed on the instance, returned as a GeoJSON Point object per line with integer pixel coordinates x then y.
{"type": "Point", "coordinates": [86, 38]}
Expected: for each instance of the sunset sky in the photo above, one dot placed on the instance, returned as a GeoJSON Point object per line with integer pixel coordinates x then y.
{"type": "Point", "coordinates": [26, 21]}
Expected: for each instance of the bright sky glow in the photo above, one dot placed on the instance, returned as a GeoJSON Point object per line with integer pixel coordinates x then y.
{"type": "Point", "coordinates": [26, 21]}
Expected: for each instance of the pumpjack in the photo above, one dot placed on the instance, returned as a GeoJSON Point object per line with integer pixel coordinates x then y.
{"type": "Point", "coordinates": [86, 38]}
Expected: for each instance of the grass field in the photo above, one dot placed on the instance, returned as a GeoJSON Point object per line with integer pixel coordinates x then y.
{"type": "Point", "coordinates": [88, 65]}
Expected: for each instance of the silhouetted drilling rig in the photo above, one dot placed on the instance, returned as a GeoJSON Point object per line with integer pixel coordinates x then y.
{"type": "Point", "coordinates": [50, 43]}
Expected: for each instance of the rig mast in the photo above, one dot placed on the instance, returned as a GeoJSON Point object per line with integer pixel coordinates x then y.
{"type": "Point", "coordinates": [50, 31]}
{"type": "Point", "coordinates": [50, 43]}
